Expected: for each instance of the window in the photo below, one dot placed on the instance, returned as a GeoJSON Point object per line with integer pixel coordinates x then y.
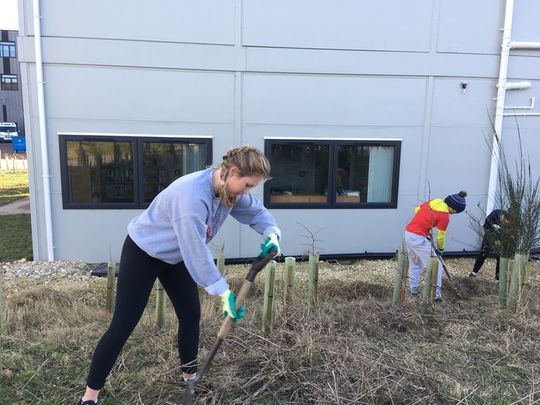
{"type": "Point", "coordinates": [9, 82]}
{"type": "Point", "coordinates": [7, 50]}
{"type": "Point", "coordinates": [332, 174]}
{"type": "Point", "coordinates": [125, 172]}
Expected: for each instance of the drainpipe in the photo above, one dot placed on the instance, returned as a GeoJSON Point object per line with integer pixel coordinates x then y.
{"type": "Point", "coordinates": [43, 134]}
{"type": "Point", "coordinates": [525, 45]}
{"type": "Point", "coordinates": [499, 108]}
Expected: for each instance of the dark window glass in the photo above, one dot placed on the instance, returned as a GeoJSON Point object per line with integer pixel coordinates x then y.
{"type": "Point", "coordinates": [364, 173]}
{"type": "Point", "coordinates": [100, 172]}
{"type": "Point", "coordinates": [300, 173]}
{"type": "Point", "coordinates": [164, 162]}
{"type": "Point", "coordinates": [125, 172]}
{"type": "Point", "coordinates": [333, 174]}
{"type": "Point", "coordinates": [9, 82]}
{"type": "Point", "coordinates": [7, 50]}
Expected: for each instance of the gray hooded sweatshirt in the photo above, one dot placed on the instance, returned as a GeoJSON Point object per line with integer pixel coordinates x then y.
{"type": "Point", "coordinates": [184, 218]}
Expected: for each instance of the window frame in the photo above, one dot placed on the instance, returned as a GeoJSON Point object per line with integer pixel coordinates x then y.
{"type": "Point", "coordinates": [138, 174]}
{"type": "Point", "coordinates": [5, 86]}
{"type": "Point", "coordinates": [333, 158]}
{"type": "Point", "coordinates": [11, 46]}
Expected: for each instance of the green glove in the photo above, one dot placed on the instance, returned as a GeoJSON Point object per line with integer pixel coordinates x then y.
{"type": "Point", "coordinates": [271, 242]}
{"type": "Point", "coordinates": [228, 298]}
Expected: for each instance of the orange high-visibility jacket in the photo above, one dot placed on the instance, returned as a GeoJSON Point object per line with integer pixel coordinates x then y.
{"type": "Point", "coordinates": [432, 213]}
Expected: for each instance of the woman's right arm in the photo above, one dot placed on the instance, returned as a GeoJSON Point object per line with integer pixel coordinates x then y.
{"type": "Point", "coordinates": [191, 235]}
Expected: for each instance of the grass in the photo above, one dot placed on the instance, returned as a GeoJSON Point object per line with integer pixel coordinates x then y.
{"type": "Point", "coordinates": [16, 234]}
{"type": "Point", "coordinates": [15, 238]}
{"type": "Point", "coordinates": [13, 185]}
{"type": "Point", "coordinates": [354, 347]}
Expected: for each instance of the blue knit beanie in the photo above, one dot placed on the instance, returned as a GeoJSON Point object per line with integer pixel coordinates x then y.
{"type": "Point", "coordinates": [457, 201]}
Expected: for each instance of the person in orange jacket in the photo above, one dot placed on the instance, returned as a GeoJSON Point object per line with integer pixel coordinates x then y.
{"type": "Point", "coordinates": [428, 215]}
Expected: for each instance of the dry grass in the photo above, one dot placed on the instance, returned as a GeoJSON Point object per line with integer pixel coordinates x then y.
{"type": "Point", "coordinates": [353, 348]}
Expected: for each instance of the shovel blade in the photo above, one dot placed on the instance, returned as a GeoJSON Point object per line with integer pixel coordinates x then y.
{"type": "Point", "coordinates": [189, 395]}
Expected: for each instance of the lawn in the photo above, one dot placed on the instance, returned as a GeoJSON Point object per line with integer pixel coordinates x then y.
{"type": "Point", "coordinates": [13, 185]}
{"type": "Point", "coordinates": [15, 235]}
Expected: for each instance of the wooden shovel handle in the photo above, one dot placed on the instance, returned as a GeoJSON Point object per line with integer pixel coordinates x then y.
{"type": "Point", "coordinates": [256, 267]}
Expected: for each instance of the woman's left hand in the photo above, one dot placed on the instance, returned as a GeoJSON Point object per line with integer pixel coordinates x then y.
{"type": "Point", "coordinates": [271, 242]}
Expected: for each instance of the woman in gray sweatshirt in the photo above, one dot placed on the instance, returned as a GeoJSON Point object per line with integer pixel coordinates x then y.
{"type": "Point", "coordinates": [169, 242]}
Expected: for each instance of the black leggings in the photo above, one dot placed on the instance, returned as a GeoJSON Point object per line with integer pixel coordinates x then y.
{"type": "Point", "coordinates": [136, 277]}
{"type": "Point", "coordinates": [485, 250]}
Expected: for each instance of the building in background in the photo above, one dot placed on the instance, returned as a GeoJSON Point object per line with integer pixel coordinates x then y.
{"type": "Point", "coordinates": [364, 109]}
{"type": "Point", "coordinates": [11, 106]}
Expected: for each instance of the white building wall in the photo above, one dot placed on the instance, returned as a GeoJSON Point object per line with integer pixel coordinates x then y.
{"type": "Point", "coordinates": [241, 71]}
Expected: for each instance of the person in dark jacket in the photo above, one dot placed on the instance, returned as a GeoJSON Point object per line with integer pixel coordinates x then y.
{"type": "Point", "coordinates": [490, 241]}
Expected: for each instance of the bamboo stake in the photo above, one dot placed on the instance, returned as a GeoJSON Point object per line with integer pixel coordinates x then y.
{"type": "Point", "coordinates": [221, 262]}
{"type": "Point", "coordinates": [523, 275]}
{"type": "Point", "coordinates": [268, 308]}
{"type": "Point", "coordinates": [161, 305]}
{"type": "Point", "coordinates": [290, 277]}
{"type": "Point", "coordinates": [109, 302]}
{"type": "Point", "coordinates": [405, 280]}
{"type": "Point", "coordinates": [426, 291]}
{"type": "Point", "coordinates": [509, 277]}
{"type": "Point", "coordinates": [434, 273]}
{"type": "Point", "coordinates": [398, 280]}
{"type": "Point", "coordinates": [503, 284]}
{"type": "Point", "coordinates": [513, 291]}
{"type": "Point", "coordinates": [313, 278]}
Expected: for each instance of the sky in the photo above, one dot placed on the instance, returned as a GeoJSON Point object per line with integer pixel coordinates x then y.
{"type": "Point", "coordinates": [9, 19]}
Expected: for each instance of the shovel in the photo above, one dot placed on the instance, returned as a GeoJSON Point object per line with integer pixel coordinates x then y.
{"type": "Point", "coordinates": [442, 263]}
{"type": "Point", "coordinates": [256, 267]}
{"type": "Point", "coordinates": [452, 286]}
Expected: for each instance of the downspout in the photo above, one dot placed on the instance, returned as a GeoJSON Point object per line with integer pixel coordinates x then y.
{"type": "Point", "coordinates": [499, 108]}
{"type": "Point", "coordinates": [43, 133]}
{"type": "Point", "coordinates": [525, 45]}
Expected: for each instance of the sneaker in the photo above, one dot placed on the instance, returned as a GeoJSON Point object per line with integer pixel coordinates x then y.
{"type": "Point", "coordinates": [473, 274]}
{"type": "Point", "coordinates": [189, 377]}
{"type": "Point", "coordinates": [89, 402]}
{"type": "Point", "coordinates": [438, 300]}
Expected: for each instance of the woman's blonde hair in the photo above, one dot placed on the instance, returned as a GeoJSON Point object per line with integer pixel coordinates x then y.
{"type": "Point", "coordinates": [249, 161]}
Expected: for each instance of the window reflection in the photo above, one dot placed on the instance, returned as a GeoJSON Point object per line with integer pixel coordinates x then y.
{"type": "Point", "coordinates": [300, 173]}
{"type": "Point", "coordinates": [100, 172]}
{"type": "Point", "coordinates": [330, 173]}
{"type": "Point", "coordinates": [164, 162]}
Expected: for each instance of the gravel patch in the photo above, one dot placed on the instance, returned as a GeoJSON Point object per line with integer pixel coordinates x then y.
{"type": "Point", "coordinates": [42, 269]}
